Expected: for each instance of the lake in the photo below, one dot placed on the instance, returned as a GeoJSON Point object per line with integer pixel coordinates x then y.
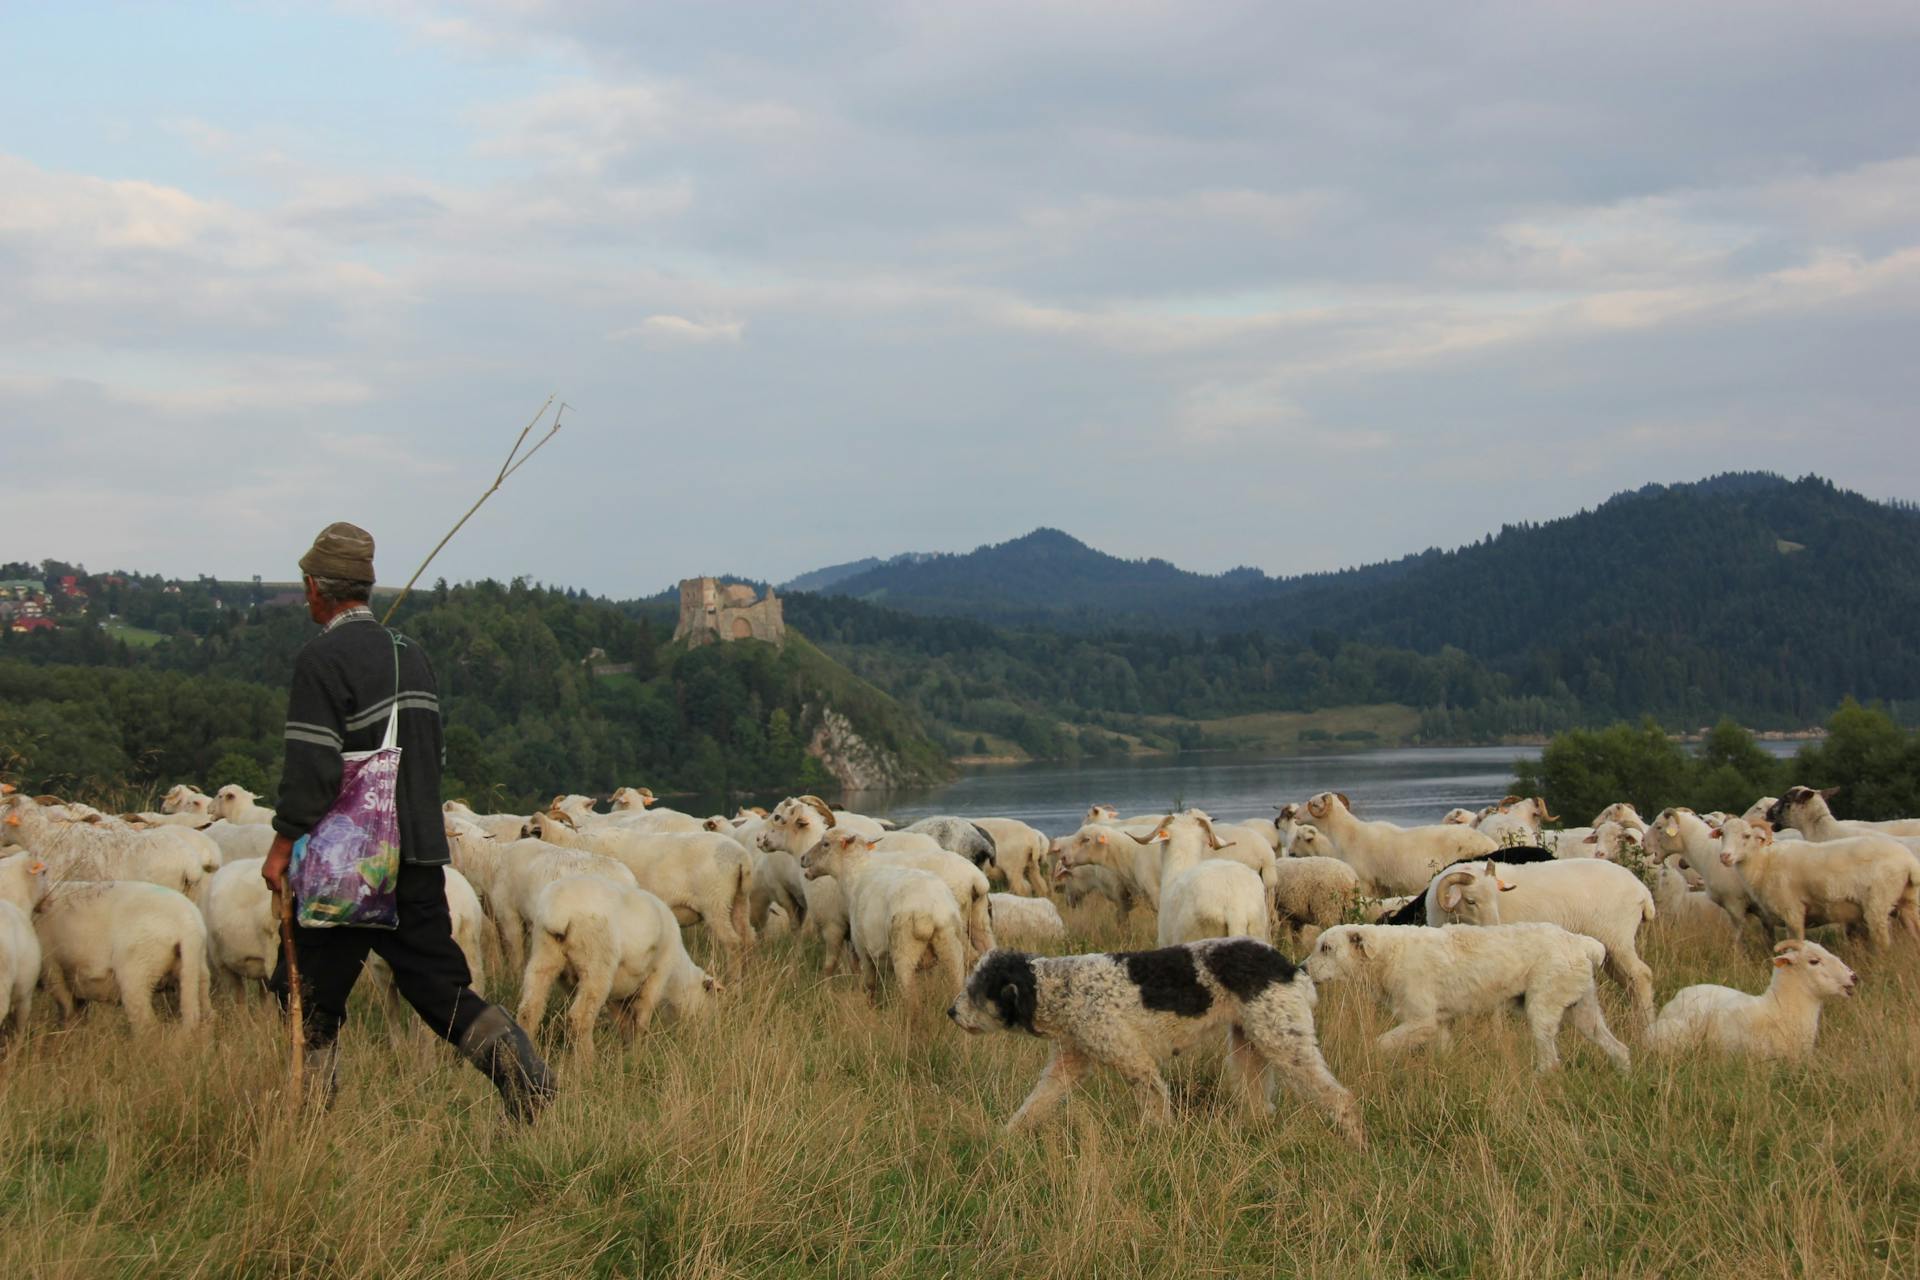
{"type": "Point", "coordinates": [1408, 785]}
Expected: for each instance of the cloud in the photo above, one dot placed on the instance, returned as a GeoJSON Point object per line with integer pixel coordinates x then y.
{"type": "Point", "coordinates": [680, 329]}
{"type": "Point", "coordinates": [1000, 260]}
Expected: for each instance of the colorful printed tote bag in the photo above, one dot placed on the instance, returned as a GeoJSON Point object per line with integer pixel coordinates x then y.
{"type": "Point", "coordinates": [346, 871]}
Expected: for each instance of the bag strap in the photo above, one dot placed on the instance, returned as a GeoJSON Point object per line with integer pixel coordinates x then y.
{"type": "Point", "coordinates": [392, 738]}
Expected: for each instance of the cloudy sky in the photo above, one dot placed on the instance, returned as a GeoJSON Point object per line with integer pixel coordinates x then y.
{"type": "Point", "coordinates": [1295, 285]}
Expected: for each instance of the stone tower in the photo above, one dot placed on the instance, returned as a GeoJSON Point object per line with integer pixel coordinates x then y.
{"type": "Point", "coordinates": [714, 614]}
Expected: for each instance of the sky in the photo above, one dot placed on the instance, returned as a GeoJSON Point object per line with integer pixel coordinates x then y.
{"type": "Point", "coordinates": [1294, 285]}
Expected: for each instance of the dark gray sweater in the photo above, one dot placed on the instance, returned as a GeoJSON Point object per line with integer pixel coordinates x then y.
{"type": "Point", "coordinates": [343, 689]}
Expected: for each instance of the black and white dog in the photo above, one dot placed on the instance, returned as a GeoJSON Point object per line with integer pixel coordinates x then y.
{"type": "Point", "coordinates": [1130, 1010]}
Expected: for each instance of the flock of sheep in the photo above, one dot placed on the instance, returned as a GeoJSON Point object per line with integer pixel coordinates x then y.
{"type": "Point", "coordinates": [1479, 912]}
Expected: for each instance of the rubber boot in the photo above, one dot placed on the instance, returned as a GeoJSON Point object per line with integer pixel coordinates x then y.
{"type": "Point", "coordinates": [500, 1049]}
{"type": "Point", "coordinates": [323, 1075]}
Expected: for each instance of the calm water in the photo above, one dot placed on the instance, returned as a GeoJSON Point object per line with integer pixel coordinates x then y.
{"type": "Point", "coordinates": [1406, 785]}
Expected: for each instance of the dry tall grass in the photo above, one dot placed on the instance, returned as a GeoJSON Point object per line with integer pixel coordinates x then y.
{"type": "Point", "coordinates": [799, 1132]}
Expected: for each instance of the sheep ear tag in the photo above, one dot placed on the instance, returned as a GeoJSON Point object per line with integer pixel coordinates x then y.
{"type": "Point", "coordinates": [1673, 828]}
{"type": "Point", "coordinates": [13, 819]}
{"type": "Point", "coordinates": [1781, 962]}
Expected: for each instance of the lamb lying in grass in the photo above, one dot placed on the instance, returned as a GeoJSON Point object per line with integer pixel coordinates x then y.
{"type": "Point", "coordinates": [1780, 1022]}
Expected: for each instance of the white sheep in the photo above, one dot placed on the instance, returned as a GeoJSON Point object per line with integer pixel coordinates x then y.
{"type": "Point", "coordinates": [1781, 1022]}
{"type": "Point", "coordinates": [1687, 910]}
{"type": "Point", "coordinates": [1135, 864]}
{"type": "Point", "coordinates": [966, 882]}
{"type": "Point", "coordinates": [1212, 898]}
{"type": "Point", "coordinates": [777, 881]}
{"type": "Point", "coordinates": [1861, 882]}
{"type": "Point", "coordinates": [99, 849]}
{"type": "Point", "coordinates": [508, 875]}
{"type": "Point", "coordinates": [501, 826]}
{"type": "Point", "coordinates": [1312, 892]}
{"type": "Point", "coordinates": [1517, 821]}
{"type": "Point", "coordinates": [706, 877]}
{"type": "Point", "coordinates": [1430, 976]}
{"type": "Point", "coordinates": [237, 805]}
{"type": "Point", "coordinates": [239, 842]}
{"type": "Point", "coordinates": [1623, 813]}
{"type": "Point", "coordinates": [242, 935]}
{"type": "Point", "coordinates": [1020, 854]}
{"type": "Point", "coordinates": [1681, 831]}
{"type": "Point", "coordinates": [617, 943]}
{"type": "Point", "coordinates": [122, 940]}
{"type": "Point", "coordinates": [1613, 841]}
{"type": "Point", "coordinates": [23, 884]}
{"type": "Point", "coordinates": [1806, 811]}
{"type": "Point", "coordinates": [898, 914]}
{"type": "Point", "coordinates": [1602, 901]}
{"type": "Point", "coordinates": [1021, 921]}
{"type": "Point", "coordinates": [1090, 879]}
{"type": "Point", "coordinates": [1389, 858]}
{"type": "Point", "coordinates": [181, 798]}
{"type": "Point", "coordinates": [1460, 818]}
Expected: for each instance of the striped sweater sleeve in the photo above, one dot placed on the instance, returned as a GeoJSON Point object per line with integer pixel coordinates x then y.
{"type": "Point", "coordinates": [310, 777]}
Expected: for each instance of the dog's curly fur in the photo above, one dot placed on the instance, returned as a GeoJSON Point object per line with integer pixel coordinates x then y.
{"type": "Point", "coordinates": [1129, 1010]}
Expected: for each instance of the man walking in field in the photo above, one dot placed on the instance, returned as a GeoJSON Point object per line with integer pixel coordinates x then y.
{"type": "Point", "coordinates": [346, 682]}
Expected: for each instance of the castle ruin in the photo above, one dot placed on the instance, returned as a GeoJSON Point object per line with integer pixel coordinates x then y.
{"type": "Point", "coordinates": [714, 614]}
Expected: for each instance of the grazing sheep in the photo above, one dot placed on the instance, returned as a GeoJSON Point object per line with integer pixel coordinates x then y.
{"type": "Point", "coordinates": [957, 835]}
{"type": "Point", "coordinates": [1602, 901]}
{"type": "Point", "coordinates": [1432, 975]}
{"type": "Point", "coordinates": [1025, 921]}
{"type": "Point", "coordinates": [509, 875]}
{"type": "Point", "coordinates": [1212, 898]}
{"type": "Point", "coordinates": [1090, 879]}
{"type": "Point", "coordinates": [1861, 882]}
{"type": "Point", "coordinates": [1130, 1010]}
{"type": "Point", "coordinates": [894, 913]}
{"type": "Point", "coordinates": [1781, 1022]}
{"type": "Point", "coordinates": [235, 803]}
{"type": "Point", "coordinates": [1020, 855]}
{"type": "Point", "coordinates": [1135, 864]}
{"type": "Point", "coordinates": [966, 882]}
{"type": "Point", "coordinates": [122, 940]}
{"type": "Point", "coordinates": [616, 943]}
{"type": "Point", "coordinates": [1391, 859]}
{"type": "Point", "coordinates": [243, 938]}
{"type": "Point", "coordinates": [707, 878]}
{"type": "Point", "coordinates": [23, 884]}
{"type": "Point", "coordinates": [1312, 892]}
{"type": "Point", "coordinates": [1612, 841]}
{"type": "Point", "coordinates": [1806, 811]}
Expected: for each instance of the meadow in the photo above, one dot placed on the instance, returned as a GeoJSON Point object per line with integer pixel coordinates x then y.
{"type": "Point", "coordinates": [799, 1132]}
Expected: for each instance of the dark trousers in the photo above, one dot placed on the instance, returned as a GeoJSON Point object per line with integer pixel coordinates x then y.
{"type": "Point", "coordinates": [428, 967]}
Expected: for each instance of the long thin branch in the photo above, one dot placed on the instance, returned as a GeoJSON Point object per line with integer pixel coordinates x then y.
{"type": "Point", "coordinates": [507, 468]}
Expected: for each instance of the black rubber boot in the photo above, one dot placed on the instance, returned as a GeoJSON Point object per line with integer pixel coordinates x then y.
{"type": "Point", "coordinates": [500, 1049]}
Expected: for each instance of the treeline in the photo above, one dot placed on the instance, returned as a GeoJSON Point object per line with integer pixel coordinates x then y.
{"type": "Point", "coordinates": [968, 677]}
{"type": "Point", "coordinates": [526, 716]}
{"type": "Point", "coordinates": [1873, 761]}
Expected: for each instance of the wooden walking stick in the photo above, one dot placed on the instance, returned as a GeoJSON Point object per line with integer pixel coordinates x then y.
{"type": "Point", "coordinates": [283, 907]}
{"type": "Point", "coordinates": [515, 460]}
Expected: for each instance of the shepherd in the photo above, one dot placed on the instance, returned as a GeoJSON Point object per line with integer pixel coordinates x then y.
{"type": "Point", "coordinates": [352, 683]}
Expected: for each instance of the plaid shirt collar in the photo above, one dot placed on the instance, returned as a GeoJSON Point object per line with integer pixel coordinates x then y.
{"type": "Point", "coordinates": [359, 613]}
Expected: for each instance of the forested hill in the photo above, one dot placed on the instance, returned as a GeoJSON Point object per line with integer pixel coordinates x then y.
{"type": "Point", "coordinates": [1745, 590]}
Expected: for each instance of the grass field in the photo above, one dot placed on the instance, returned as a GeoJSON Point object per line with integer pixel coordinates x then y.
{"type": "Point", "coordinates": [1388, 723]}
{"type": "Point", "coordinates": [798, 1132]}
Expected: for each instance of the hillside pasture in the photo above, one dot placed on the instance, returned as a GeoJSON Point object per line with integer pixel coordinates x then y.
{"type": "Point", "coordinates": [800, 1132]}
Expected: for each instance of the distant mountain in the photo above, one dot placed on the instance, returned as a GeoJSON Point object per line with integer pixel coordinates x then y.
{"type": "Point", "coordinates": [820, 580]}
{"type": "Point", "coordinates": [1046, 578]}
{"type": "Point", "coordinates": [1744, 589]}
